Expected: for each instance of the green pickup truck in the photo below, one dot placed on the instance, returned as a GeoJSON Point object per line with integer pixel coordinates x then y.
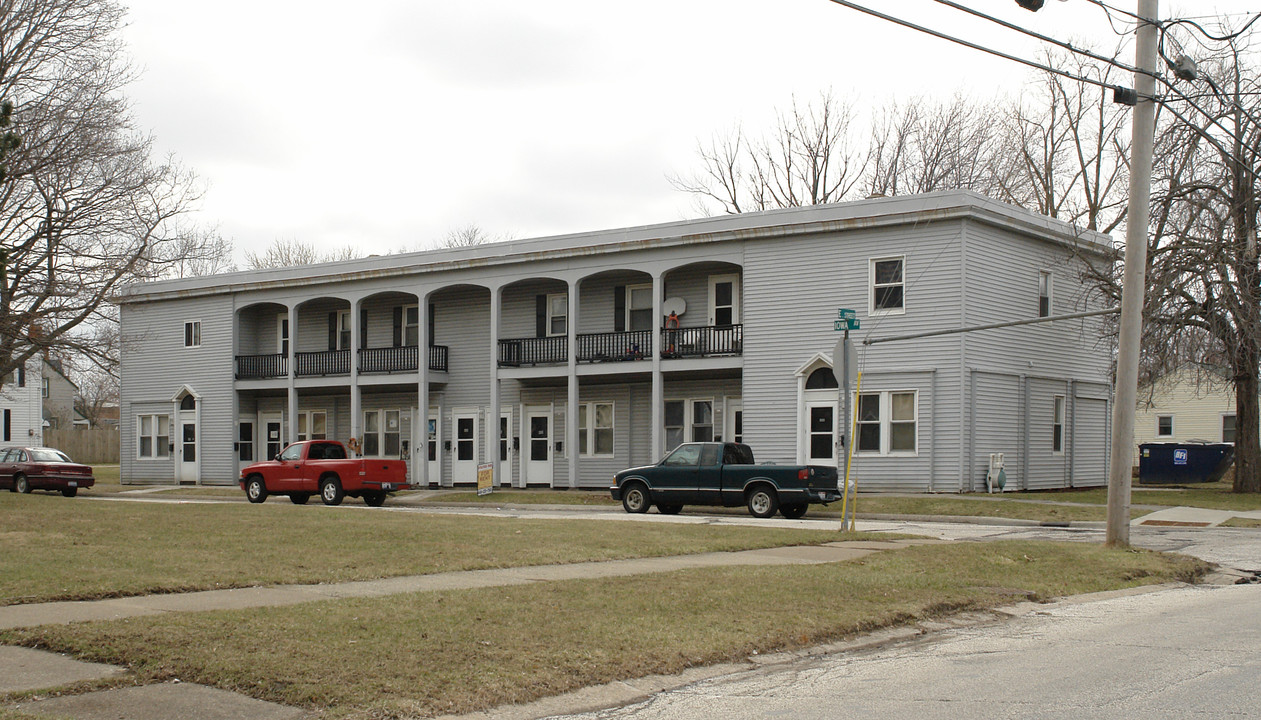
{"type": "Point", "coordinates": [724, 474]}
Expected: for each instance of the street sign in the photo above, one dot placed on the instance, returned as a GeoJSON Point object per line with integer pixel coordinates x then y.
{"type": "Point", "coordinates": [847, 324]}
{"type": "Point", "coordinates": [845, 314]}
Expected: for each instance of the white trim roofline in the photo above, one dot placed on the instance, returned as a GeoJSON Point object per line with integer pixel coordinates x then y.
{"type": "Point", "coordinates": [873, 212]}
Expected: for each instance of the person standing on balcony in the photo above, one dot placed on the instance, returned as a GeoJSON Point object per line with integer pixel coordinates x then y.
{"type": "Point", "coordinates": [672, 331]}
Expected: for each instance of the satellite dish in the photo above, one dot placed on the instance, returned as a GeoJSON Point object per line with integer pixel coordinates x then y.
{"type": "Point", "coordinates": [676, 305]}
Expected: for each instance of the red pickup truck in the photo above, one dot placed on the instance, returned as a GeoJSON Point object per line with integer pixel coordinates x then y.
{"type": "Point", "coordinates": [305, 468]}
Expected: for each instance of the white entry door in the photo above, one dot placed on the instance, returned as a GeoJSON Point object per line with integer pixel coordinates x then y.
{"type": "Point", "coordinates": [427, 447]}
{"type": "Point", "coordinates": [464, 447]}
{"type": "Point", "coordinates": [821, 433]}
{"type": "Point", "coordinates": [272, 438]}
{"type": "Point", "coordinates": [503, 471]}
{"type": "Point", "coordinates": [733, 421]}
{"type": "Point", "coordinates": [186, 446]}
{"type": "Point", "coordinates": [538, 460]}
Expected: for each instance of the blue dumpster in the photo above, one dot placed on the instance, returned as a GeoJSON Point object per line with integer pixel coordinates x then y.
{"type": "Point", "coordinates": [1180, 463]}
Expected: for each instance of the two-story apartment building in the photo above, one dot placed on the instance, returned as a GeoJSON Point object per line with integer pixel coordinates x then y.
{"type": "Point", "coordinates": [561, 360]}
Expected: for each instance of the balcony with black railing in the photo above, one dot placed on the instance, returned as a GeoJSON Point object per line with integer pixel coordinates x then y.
{"type": "Point", "coordinates": [705, 341]}
{"type": "Point", "coordinates": [255, 367]}
{"type": "Point", "coordinates": [516, 352]}
{"type": "Point", "coordinates": [400, 359]}
{"type": "Point", "coordinates": [614, 346]}
{"type": "Point", "coordinates": [329, 362]}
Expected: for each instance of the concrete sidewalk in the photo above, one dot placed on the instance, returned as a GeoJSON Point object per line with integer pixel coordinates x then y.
{"type": "Point", "coordinates": [27, 670]}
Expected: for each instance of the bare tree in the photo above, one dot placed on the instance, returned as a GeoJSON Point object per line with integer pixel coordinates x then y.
{"type": "Point", "coordinates": [98, 393]}
{"type": "Point", "coordinates": [806, 160]}
{"type": "Point", "coordinates": [290, 253]}
{"type": "Point", "coordinates": [1203, 300]}
{"type": "Point", "coordinates": [465, 236]}
{"type": "Point", "coordinates": [922, 146]}
{"type": "Point", "coordinates": [83, 204]}
{"type": "Point", "coordinates": [1064, 150]}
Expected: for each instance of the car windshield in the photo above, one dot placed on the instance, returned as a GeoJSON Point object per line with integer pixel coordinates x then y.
{"type": "Point", "coordinates": [47, 455]}
{"type": "Point", "coordinates": [684, 455]}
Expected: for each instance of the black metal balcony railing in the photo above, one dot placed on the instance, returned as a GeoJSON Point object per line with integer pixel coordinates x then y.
{"type": "Point", "coordinates": [614, 346]}
{"type": "Point", "coordinates": [702, 341]}
{"type": "Point", "coordinates": [400, 359]}
{"type": "Point", "coordinates": [329, 362]}
{"type": "Point", "coordinates": [533, 351]}
{"type": "Point", "coordinates": [250, 367]}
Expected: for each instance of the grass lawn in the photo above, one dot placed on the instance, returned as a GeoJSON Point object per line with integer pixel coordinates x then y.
{"type": "Point", "coordinates": [1214, 496]}
{"type": "Point", "coordinates": [530, 497]}
{"type": "Point", "coordinates": [452, 652]}
{"type": "Point", "coordinates": [62, 549]}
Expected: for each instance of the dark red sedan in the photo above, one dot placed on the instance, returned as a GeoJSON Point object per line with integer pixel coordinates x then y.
{"type": "Point", "coordinates": [23, 469]}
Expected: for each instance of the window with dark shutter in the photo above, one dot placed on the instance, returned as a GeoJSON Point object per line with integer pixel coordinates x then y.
{"type": "Point", "coordinates": [332, 331]}
{"type": "Point", "coordinates": [619, 308]}
{"type": "Point", "coordinates": [540, 316]}
{"type": "Point", "coordinates": [398, 326]}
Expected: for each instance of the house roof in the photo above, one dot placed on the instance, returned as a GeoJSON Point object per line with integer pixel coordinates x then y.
{"type": "Point", "coordinates": [873, 212]}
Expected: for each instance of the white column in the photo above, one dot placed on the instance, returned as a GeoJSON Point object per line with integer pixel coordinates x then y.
{"type": "Point", "coordinates": [356, 397]}
{"type": "Point", "coordinates": [658, 389]}
{"type": "Point", "coordinates": [571, 408]}
{"type": "Point", "coordinates": [421, 454]}
{"type": "Point", "coordinates": [292, 421]}
{"type": "Point", "coordinates": [491, 454]}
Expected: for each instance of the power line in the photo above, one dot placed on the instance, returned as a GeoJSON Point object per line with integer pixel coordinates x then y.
{"type": "Point", "coordinates": [974, 46]}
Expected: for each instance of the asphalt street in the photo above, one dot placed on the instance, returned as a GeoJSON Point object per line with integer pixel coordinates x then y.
{"type": "Point", "coordinates": [1185, 652]}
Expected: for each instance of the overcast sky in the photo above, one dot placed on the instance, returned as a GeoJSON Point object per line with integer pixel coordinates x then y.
{"type": "Point", "coordinates": [387, 123]}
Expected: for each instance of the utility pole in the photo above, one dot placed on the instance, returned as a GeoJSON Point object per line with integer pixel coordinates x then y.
{"type": "Point", "coordinates": [1129, 338]}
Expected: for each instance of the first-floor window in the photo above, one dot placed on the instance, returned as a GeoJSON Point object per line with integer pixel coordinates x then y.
{"type": "Point", "coordinates": [245, 442]}
{"type": "Point", "coordinates": [1164, 426]}
{"type": "Point", "coordinates": [595, 429]}
{"type": "Point", "coordinates": [154, 436]}
{"type": "Point", "coordinates": [822, 427]}
{"type": "Point", "coordinates": [431, 436]}
{"type": "Point", "coordinates": [312, 425]}
{"type": "Point", "coordinates": [888, 422]}
{"type": "Point", "coordinates": [1228, 428]}
{"type": "Point", "coordinates": [381, 433]}
{"type": "Point", "coordinates": [1057, 425]}
{"type": "Point", "coordinates": [688, 421]}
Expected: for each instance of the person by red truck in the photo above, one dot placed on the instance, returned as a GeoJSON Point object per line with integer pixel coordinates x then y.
{"type": "Point", "coordinates": [324, 467]}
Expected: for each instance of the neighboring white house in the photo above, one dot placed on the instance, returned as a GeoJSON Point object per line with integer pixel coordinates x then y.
{"type": "Point", "coordinates": [22, 405]}
{"type": "Point", "coordinates": [558, 360]}
{"type": "Point", "coordinates": [1191, 403]}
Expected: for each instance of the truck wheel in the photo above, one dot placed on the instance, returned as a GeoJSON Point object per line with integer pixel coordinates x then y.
{"type": "Point", "coordinates": [762, 502]}
{"type": "Point", "coordinates": [69, 492]}
{"type": "Point", "coordinates": [373, 498]}
{"type": "Point", "coordinates": [21, 484]}
{"type": "Point", "coordinates": [792, 512]}
{"type": "Point", "coordinates": [331, 491]}
{"type": "Point", "coordinates": [665, 509]}
{"type": "Point", "coordinates": [299, 498]}
{"type": "Point", "coordinates": [635, 498]}
{"type": "Point", "coordinates": [255, 490]}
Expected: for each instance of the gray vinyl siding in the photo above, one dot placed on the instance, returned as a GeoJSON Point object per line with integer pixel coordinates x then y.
{"type": "Point", "coordinates": [791, 294]}
{"type": "Point", "coordinates": [518, 306]}
{"type": "Point", "coordinates": [922, 472]}
{"type": "Point", "coordinates": [1047, 469]}
{"type": "Point", "coordinates": [997, 427]}
{"type": "Point", "coordinates": [1002, 286]}
{"type": "Point", "coordinates": [155, 365]}
{"type": "Point", "coordinates": [1091, 422]}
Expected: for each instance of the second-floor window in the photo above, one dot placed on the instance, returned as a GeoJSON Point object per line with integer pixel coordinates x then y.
{"type": "Point", "coordinates": [1228, 428]}
{"type": "Point", "coordinates": [339, 330]}
{"type": "Point", "coordinates": [557, 313]}
{"type": "Point", "coordinates": [282, 333]}
{"type": "Point", "coordinates": [43, 390]}
{"type": "Point", "coordinates": [192, 334]}
{"type": "Point", "coordinates": [411, 325]}
{"type": "Point", "coordinates": [639, 307]}
{"type": "Point", "coordinates": [887, 285]}
{"type": "Point", "coordinates": [1044, 294]}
